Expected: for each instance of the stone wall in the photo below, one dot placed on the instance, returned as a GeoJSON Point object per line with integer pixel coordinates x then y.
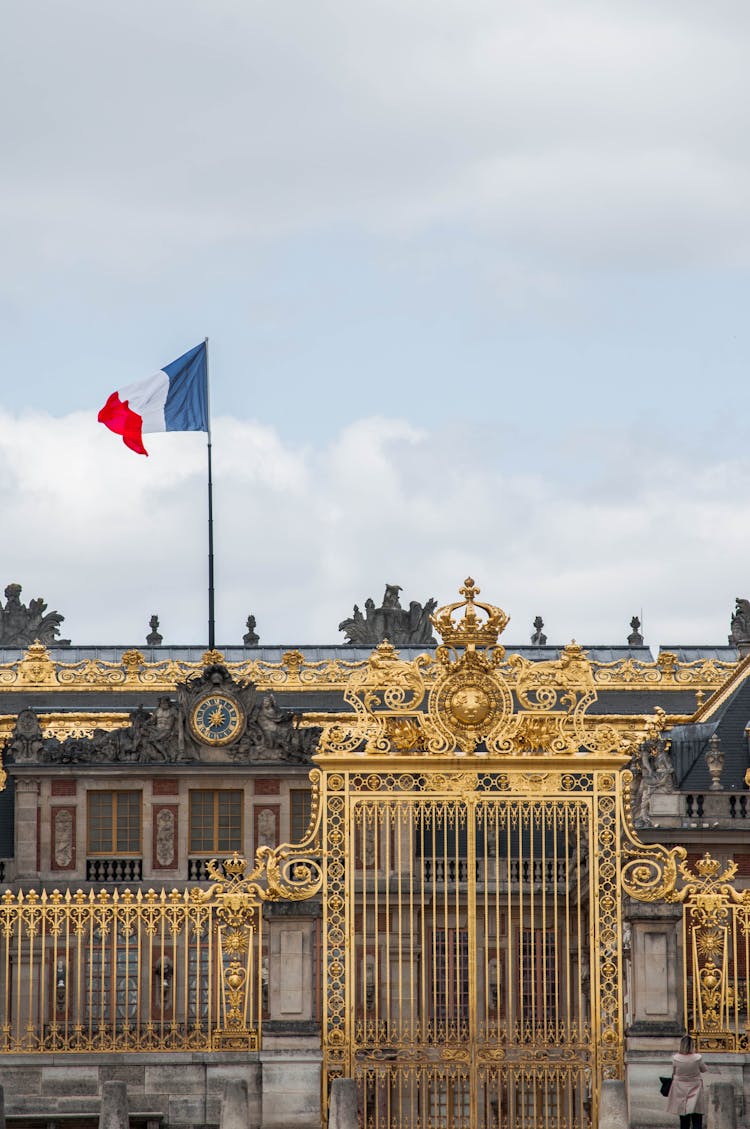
{"type": "Point", "coordinates": [187, 1090]}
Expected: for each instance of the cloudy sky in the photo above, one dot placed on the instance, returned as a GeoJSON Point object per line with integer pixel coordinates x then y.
{"type": "Point", "coordinates": [475, 277]}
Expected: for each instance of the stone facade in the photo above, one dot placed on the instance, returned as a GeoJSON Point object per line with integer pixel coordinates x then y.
{"type": "Point", "coordinates": [158, 746]}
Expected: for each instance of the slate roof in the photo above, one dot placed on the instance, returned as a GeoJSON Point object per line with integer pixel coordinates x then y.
{"type": "Point", "coordinates": [690, 742]}
{"type": "Point", "coordinates": [313, 652]}
{"type": "Point", "coordinates": [690, 654]}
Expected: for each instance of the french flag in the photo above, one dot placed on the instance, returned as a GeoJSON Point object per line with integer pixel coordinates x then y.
{"type": "Point", "coordinates": [173, 399]}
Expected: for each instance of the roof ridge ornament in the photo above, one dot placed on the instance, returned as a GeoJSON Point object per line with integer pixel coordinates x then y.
{"type": "Point", "coordinates": [470, 631]}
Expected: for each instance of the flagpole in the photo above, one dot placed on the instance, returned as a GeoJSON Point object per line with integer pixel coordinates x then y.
{"type": "Point", "coordinates": [211, 621]}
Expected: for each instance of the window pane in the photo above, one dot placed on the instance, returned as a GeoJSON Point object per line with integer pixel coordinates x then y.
{"type": "Point", "coordinates": [128, 822]}
{"type": "Point", "coordinates": [300, 800]}
{"type": "Point", "coordinates": [215, 821]}
{"type": "Point", "coordinates": [230, 821]}
{"type": "Point", "coordinates": [114, 823]}
{"type": "Point", "coordinates": [201, 821]}
{"type": "Point", "coordinates": [100, 823]}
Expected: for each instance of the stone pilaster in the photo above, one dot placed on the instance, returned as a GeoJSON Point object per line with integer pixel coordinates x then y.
{"type": "Point", "coordinates": [27, 803]}
{"type": "Point", "coordinates": [655, 980]}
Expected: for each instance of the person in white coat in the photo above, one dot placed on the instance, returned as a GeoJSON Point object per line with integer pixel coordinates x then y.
{"type": "Point", "coordinates": [686, 1092]}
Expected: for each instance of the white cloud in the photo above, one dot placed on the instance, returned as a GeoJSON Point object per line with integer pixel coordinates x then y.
{"type": "Point", "coordinates": [575, 133]}
{"type": "Point", "coordinates": [108, 538]}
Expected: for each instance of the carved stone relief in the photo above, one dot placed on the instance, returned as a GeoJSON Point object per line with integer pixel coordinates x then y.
{"type": "Point", "coordinates": [266, 824]}
{"type": "Point", "coordinates": [164, 837]}
{"type": "Point", "coordinates": [168, 734]}
{"type": "Point", "coordinates": [63, 839]}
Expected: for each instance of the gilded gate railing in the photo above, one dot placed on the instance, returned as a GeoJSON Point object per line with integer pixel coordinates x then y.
{"type": "Point", "coordinates": [471, 914]}
{"type": "Point", "coordinates": [715, 937]}
{"type": "Point", "coordinates": [94, 972]}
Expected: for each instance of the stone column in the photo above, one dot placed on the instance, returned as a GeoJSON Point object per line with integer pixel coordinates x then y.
{"type": "Point", "coordinates": [235, 1113]}
{"type": "Point", "coordinates": [613, 1106]}
{"type": "Point", "coordinates": [114, 1108]}
{"type": "Point", "coordinates": [342, 1109]}
{"type": "Point", "coordinates": [720, 1106]}
{"type": "Point", "coordinates": [27, 802]}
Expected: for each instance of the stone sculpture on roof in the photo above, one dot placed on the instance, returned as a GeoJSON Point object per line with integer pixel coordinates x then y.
{"type": "Point", "coordinates": [739, 635]}
{"type": "Point", "coordinates": [538, 639]}
{"type": "Point", "coordinates": [20, 626]}
{"type": "Point", "coordinates": [635, 639]}
{"type": "Point", "coordinates": [251, 637]}
{"type": "Point", "coordinates": [390, 621]}
{"type": "Point", "coordinates": [154, 639]}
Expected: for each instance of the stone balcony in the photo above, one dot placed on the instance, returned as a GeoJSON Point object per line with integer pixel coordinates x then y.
{"type": "Point", "coordinates": [710, 810]}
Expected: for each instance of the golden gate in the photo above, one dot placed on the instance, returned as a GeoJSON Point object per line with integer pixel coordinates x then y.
{"type": "Point", "coordinates": [471, 859]}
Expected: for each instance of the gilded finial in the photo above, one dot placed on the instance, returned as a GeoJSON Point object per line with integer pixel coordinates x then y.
{"type": "Point", "coordinates": [472, 630]}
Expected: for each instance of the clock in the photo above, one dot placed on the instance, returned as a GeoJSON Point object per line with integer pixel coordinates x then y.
{"type": "Point", "coordinates": [217, 720]}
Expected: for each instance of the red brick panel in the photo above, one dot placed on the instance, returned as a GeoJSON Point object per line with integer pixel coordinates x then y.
{"type": "Point", "coordinates": [266, 786]}
{"type": "Point", "coordinates": [165, 787]}
{"type": "Point", "coordinates": [63, 787]}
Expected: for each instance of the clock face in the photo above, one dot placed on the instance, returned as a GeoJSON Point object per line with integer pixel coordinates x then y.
{"type": "Point", "coordinates": [217, 720]}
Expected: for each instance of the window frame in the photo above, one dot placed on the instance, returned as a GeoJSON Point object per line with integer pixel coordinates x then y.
{"type": "Point", "coordinates": [217, 793]}
{"type": "Point", "coordinates": [97, 794]}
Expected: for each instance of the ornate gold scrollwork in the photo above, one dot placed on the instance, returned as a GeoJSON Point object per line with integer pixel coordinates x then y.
{"type": "Point", "coordinates": [470, 699]}
{"type": "Point", "coordinates": [37, 669]}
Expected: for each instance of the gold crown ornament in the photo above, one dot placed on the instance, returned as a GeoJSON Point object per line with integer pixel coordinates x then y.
{"type": "Point", "coordinates": [473, 629]}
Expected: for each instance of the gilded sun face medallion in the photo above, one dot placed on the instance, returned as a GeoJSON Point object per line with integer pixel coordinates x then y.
{"type": "Point", "coordinates": [470, 705]}
{"type": "Point", "coordinates": [217, 720]}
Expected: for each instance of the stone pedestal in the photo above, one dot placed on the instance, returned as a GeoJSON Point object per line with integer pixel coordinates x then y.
{"type": "Point", "coordinates": [342, 1109]}
{"type": "Point", "coordinates": [613, 1105]}
{"type": "Point", "coordinates": [720, 1106]}
{"type": "Point", "coordinates": [114, 1108]}
{"type": "Point", "coordinates": [235, 1112]}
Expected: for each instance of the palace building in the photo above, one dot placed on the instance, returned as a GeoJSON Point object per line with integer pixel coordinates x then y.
{"type": "Point", "coordinates": [482, 882]}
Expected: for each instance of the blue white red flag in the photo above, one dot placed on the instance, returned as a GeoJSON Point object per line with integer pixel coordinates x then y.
{"type": "Point", "coordinates": [173, 399]}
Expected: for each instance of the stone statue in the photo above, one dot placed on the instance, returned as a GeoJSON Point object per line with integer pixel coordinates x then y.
{"type": "Point", "coordinates": [151, 737]}
{"type": "Point", "coordinates": [153, 639]}
{"type": "Point", "coordinates": [20, 626]}
{"type": "Point", "coordinates": [538, 639]}
{"type": "Point", "coordinates": [653, 772]}
{"type": "Point", "coordinates": [274, 734]}
{"type": "Point", "coordinates": [251, 639]}
{"type": "Point", "coordinates": [740, 628]}
{"type": "Point", "coordinates": [390, 621]}
{"type": "Point", "coordinates": [635, 639]}
{"type": "Point", "coordinates": [161, 733]}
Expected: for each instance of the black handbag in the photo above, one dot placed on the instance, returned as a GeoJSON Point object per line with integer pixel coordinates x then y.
{"type": "Point", "coordinates": [665, 1086]}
